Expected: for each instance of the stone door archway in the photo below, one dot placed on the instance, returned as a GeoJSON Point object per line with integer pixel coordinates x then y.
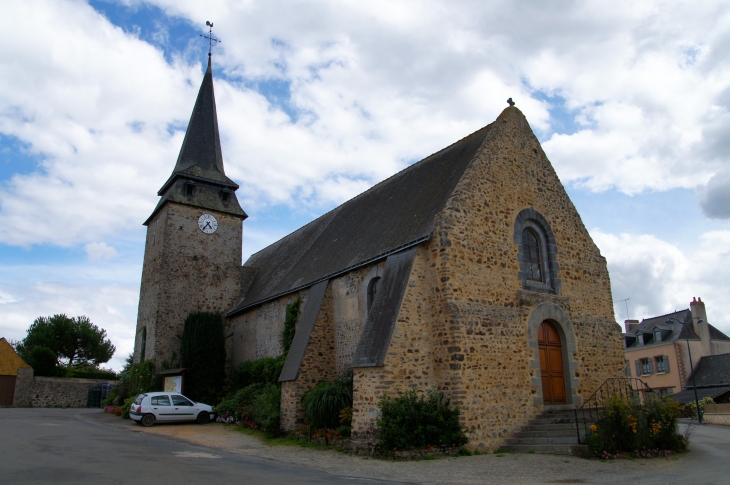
{"type": "Point", "coordinates": [557, 317]}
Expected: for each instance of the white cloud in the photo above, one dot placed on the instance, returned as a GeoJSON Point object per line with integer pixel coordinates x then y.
{"type": "Point", "coordinates": [100, 250]}
{"type": "Point", "coordinates": [374, 86]}
{"type": "Point", "coordinates": [112, 307]}
{"type": "Point", "coordinates": [660, 278]}
{"type": "Point", "coordinates": [715, 196]}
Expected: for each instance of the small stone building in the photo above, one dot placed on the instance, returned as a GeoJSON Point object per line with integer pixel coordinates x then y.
{"type": "Point", "coordinates": [469, 272]}
{"type": "Point", "coordinates": [10, 366]}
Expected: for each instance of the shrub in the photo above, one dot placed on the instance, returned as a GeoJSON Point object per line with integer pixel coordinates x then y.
{"type": "Point", "coordinates": [90, 372]}
{"type": "Point", "coordinates": [203, 354]}
{"type": "Point", "coordinates": [139, 378]}
{"type": "Point", "coordinates": [642, 430]}
{"type": "Point", "coordinates": [690, 409]}
{"type": "Point", "coordinates": [256, 406]}
{"type": "Point", "coordinates": [261, 371]}
{"type": "Point", "coordinates": [127, 406]}
{"type": "Point", "coordinates": [43, 361]}
{"type": "Point", "coordinates": [324, 402]}
{"type": "Point", "coordinates": [416, 422]}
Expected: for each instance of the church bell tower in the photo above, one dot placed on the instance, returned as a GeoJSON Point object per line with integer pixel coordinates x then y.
{"type": "Point", "coordinates": [192, 258]}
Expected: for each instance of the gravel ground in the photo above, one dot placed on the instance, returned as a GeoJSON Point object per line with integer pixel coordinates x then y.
{"type": "Point", "coordinates": [706, 463]}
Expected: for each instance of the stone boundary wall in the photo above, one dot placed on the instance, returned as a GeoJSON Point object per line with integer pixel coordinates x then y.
{"type": "Point", "coordinates": [717, 414]}
{"type": "Point", "coordinates": [46, 392]}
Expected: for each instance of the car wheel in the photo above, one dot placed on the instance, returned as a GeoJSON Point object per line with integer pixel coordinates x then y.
{"type": "Point", "coordinates": [204, 417]}
{"type": "Point", "coordinates": [148, 420]}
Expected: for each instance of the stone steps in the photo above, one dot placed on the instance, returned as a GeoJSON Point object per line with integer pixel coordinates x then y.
{"type": "Point", "coordinates": [551, 432]}
{"type": "Point", "coordinates": [540, 433]}
{"type": "Point", "coordinates": [553, 449]}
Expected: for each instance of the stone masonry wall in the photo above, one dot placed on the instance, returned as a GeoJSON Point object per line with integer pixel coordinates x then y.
{"type": "Point", "coordinates": [466, 295]}
{"type": "Point", "coordinates": [485, 354]}
{"type": "Point", "coordinates": [62, 392]}
{"type": "Point", "coordinates": [410, 357]}
{"type": "Point", "coordinates": [318, 364]}
{"type": "Point", "coordinates": [185, 270]}
{"type": "Point", "coordinates": [257, 332]}
{"type": "Point", "coordinates": [24, 388]}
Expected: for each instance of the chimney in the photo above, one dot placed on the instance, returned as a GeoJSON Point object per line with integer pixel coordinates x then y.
{"type": "Point", "coordinates": [697, 307]}
{"type": "Point", "coordinates": [629, 325]}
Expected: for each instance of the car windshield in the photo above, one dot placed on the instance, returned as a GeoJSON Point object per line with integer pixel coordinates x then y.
{"type": "Point", "coordinates": [178, 400]}
{"type": "Point", "coordinates": [138, 401]}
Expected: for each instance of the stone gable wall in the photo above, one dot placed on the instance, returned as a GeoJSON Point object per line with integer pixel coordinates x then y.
{"type": "Point", "coordinates": [465, 293]}
{"type": "Point", "coordinates": [185, 270]}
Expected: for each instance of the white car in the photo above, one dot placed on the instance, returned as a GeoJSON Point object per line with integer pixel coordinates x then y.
{"type": "Point", "coordinates": [151, 407]}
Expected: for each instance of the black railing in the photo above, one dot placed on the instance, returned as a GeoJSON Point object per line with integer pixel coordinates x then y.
{"type": "Point", "coordinates": [630, 390]}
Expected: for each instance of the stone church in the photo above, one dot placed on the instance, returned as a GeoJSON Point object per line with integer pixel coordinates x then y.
{"type": "Point", "coordinates": [470, 272]}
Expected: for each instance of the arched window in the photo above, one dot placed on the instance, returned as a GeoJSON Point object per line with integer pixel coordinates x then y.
{"type": "Point", "coordinates": [372, 290]}
{"type": "Point", "coordinates": [531, 254]}
{"type": "Point", "coordinates": [536, 252]}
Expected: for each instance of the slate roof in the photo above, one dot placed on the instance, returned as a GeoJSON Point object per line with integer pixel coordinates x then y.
{"type": "Point", "coordinates": [393, 215]}
{"type": "Point", "coordinates": [201, 160]}
{"type": "Point", "coordinates": [711, 371]}
{"type": "Point", "coordinates": [670, 332]}
{"type": "Point", "coordinates": [688, 395]}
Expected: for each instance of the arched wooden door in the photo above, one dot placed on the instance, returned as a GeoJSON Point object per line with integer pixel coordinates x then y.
{"type": "Point", "coordinates": [551, 364]}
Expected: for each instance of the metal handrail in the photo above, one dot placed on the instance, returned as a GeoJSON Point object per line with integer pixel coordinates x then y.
{"type": "Point", "coordinates": [631, 390]}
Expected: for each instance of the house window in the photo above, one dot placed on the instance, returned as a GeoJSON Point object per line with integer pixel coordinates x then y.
{"type": "Point", "coordinates": [372, 290]}
{"type": "Point", "coordinates": [639, 339]}
{"type": "Point", "coordinates": [662, 363]}
{"type": "Point", "coordinates": [531, 255]}
{"type": "Point", "coordinates": [666, 392]}
{"type": "Point", "coordinates": [657, 335]}
{"type": "Point", "coordinates": [647, 366]}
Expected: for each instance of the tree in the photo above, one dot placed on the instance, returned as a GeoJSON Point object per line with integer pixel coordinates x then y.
{"type": "Point", "coordinates": [203, 355]}
{"type": "Point", "coordinates": [75, 341]}
{"type": "Point", "coordinates": [43, 361]}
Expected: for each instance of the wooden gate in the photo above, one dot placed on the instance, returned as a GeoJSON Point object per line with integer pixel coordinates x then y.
{"type": "Point", "coordinates": [551, 364]}
{"type": "Point", "coordinates": [7, 390]}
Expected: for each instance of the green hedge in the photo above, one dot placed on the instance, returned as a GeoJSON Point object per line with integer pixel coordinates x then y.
{"type": "Point", "coordinates": [261, 371]}
{"type": "Point", "coordinates": [203, 355]}
{"type": "Point", "coordinates": [411, 422]}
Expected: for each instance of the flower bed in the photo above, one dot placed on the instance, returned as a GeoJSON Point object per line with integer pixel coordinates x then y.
{"type": "Point", "coordinates": [115, 410]}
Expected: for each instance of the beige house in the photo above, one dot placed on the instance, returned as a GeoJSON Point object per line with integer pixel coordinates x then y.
{"type": "Point", "coordinates": [656, 348]}
{"type": "Point", "coordinates": [469, 272]}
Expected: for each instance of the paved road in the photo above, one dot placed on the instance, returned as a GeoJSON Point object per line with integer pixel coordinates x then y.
{"type": "Point", "coordinates": [59, 446]}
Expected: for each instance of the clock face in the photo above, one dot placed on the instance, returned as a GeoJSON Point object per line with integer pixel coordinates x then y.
{"type": "Point", "coordinates": [207, 223]}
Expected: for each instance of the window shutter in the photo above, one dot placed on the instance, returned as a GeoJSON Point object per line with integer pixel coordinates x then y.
{"type": "Point", "coordinates": [666, 363]}
{"type": "Point", "coordinates": [651, 366]}
{"type": "Point", "coordinates": [638, 368]}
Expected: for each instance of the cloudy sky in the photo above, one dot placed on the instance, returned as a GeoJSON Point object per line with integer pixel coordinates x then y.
{"type": "Point", "coordinates": [319, 100]}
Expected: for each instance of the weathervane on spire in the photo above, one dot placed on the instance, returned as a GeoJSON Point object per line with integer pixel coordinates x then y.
{"type": "Point", "coordinates": [210, 37]}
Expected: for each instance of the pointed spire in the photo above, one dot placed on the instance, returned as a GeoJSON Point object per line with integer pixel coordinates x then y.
{"type": "Point", "coordinates": [200, 162]}
{"type": "Point", "coordinates": [202, 144]}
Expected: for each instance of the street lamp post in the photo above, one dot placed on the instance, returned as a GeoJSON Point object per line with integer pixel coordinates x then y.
{"type": "Point", "coordinates": [689, 350]}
